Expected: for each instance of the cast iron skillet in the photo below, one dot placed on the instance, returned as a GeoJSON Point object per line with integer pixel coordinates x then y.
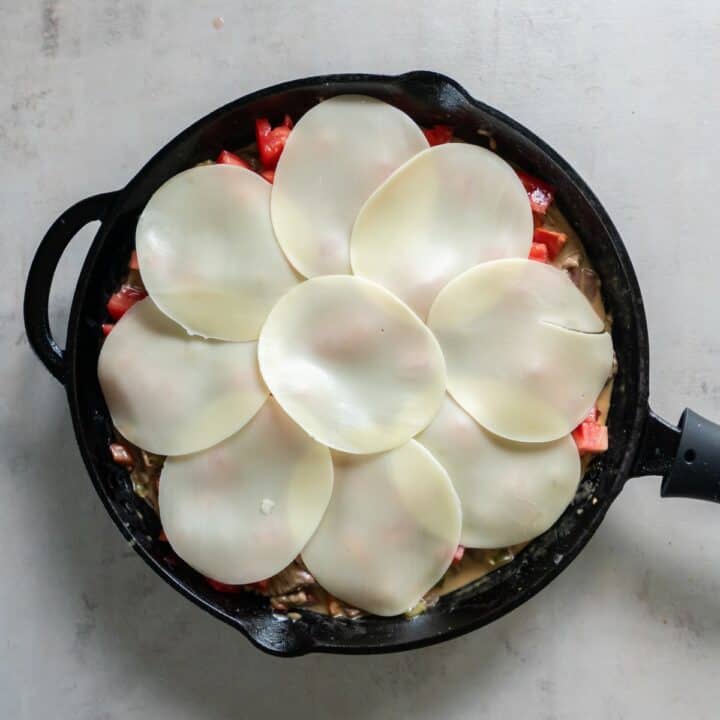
{"type": "Point", "coordinates": [640, 442]}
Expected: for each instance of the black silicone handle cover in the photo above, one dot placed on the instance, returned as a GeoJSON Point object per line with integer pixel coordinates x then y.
{"type": "Point", "coordinates": [695, 472]}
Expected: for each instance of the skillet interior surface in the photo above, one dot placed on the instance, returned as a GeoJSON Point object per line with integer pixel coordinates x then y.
{"type": "Point", "coordinates": [428, 98]}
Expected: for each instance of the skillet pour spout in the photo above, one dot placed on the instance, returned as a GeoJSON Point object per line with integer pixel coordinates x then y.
{"type": "Point", "coordinates": [687, 456]}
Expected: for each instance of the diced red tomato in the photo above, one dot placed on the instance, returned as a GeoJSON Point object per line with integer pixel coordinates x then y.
{"type": "Point", "coordinates": [262, 127]}
{"type": "Point", "coordinates": [120, 455]}
{"type": "Point", "coordinates": [223, 587]}
{"type": "Point", "coordinates": [107, 328]}
{"type": "Point", "coordinates": [121, 301]}
{"type": "Point", "coordinates": [458, 556]}
{"type": "Point", "coordinates": [540, 193]}
{"type": "Point", "coordinates": [554, 241]}
{"type": "Point", "coordinates": [591, 437]}
{"type": "Point", "coordinates": [133, 264]}
{"type": "Point", "coordinates": [269, 175]}
{"type": "Point", "coordinates": [438, 134]}
{"type": "Point", "coordinates": [227, 158]}
{"type": "Point", "coordinates": [539, 252]}
{"type": "Point", "coordinates": [270, 141]}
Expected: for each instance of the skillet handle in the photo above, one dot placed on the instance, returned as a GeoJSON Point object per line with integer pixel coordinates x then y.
{"type": "Point", "coordinates": [42, 270]}
{"type": "Point", "coordinates": [688, 456]}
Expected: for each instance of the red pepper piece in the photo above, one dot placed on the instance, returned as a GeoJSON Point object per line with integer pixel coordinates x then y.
{"type": "Point", "coordinates": [223, 587]}
{"type": "Point", "coordinates": [539, 252]}
{"type": "Point", "coordinates": [553, 240]}
{"type": "Point", "coordinates": [120, 455]}
{"type": "Point", "coordinates": [120, 302]}
{"type": "Point", "coordinates": [262, 127]}
{"type": "Point", "coordinates": [458, 555]}
{"type": "Point", "coordinates": [438, 134]}
{"type": "Point", "coordinates": [107, 328]}
{"type": "Point", "coordinates": [591, 437]}
{"type": "Point", "coordinates": [227, 158]}
{"type": "Point", "coordinates": [287, 122]}
{"type": "Point", "coordinates": [540, 193]}
{"type": "Point", "coordinates": [270, 141]}
{"type": "Point", "coordinates": [269, 175]}
{"type": "Point", "coordinates": [133, 264]}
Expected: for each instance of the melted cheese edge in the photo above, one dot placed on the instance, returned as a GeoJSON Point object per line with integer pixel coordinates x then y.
{"type": "Point", "coordinates": [510, 492]}
{"type": "Point", "coordinates": [526, 353]}
{"type": "Point", "coordinates": [446, 210]}
{"type": "Point", "coordinates": [243, 510]}
{"type": "Point", "coordinates": [390, 530]}
{"type": "Point", "coordinates": [351, 364]}
{"type": "Point", "coordinates": [171, 393]}
{"type": "Point", "coordinates": [207, 252]}
{"type": "Point", "coordinates": [335, 157]}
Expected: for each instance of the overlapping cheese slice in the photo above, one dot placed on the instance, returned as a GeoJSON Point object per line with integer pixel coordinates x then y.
{"type": "Point", "coordinates": [207, 252]}
{"type": "Point", "coordinates": [526, 353]}
{"type": "Point", "coordinates": [351, 364]}
{"type": "Point", "coordinates": [337, 154]}
{"type": "Point", "coordinates": [390, 530]}
{"type": "Point", "coordinates": [171, 393]}
{"type": "Point", "coordinates": [242, 510]}
{"type": "Point", "coordinates": [510, 492]}
{"type": "Point", "coordinates": [447, 209]}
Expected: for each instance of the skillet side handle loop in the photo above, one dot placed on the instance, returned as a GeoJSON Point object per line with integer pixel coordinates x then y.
{"type": "Point", "coordinates": [42, 270]}
{"type": "Point", "coordinates": [695, 471]}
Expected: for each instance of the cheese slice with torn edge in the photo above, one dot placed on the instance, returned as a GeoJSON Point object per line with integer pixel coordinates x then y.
{"type": "Point", "coordinates": [510, 492]}
{"type": "Point", "coordinates": [242, 510]}
{"type": "Point", "coordinates": [390, 530]}
{"type": "Point", "coordinates": [351, 364]}
{"type": "Point", "coordinates": [447, 209]}
{"type": "Point", "coordinates": [207, 252]}
{"type": "Point", "coordinates": [526, 353]}
{"type": "Point", "coordinates": [336, 155]}
{"type": "Point", "coordinates": [171, 393]}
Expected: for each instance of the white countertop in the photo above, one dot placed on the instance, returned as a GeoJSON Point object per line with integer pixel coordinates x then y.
{"type": "Point", "coordinates": [628, 92]}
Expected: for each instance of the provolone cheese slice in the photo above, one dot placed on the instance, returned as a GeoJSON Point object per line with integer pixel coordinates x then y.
{"type": "Point", "coordinates": [447, 209]}
{"type": "Point", "coordinates": [510, 492]}
{"type": "Point", "coordinates": [526, 353]}
{"type": "Point", "coordinates": [390, 530]}
{"type": "Point", "coordinates": [242, 510]}
{"type": "Point", "coordinates": [171, 393]}
{"type": "Point", "coordinates": [337, 154]}
{"type": "Point", "coordinates": [351, 364]}
{"type": "Point", "coordinates": [207, 252]}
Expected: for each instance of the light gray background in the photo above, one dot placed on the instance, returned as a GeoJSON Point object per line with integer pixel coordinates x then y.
{"type": "Point", "coordinates": [626, 90]}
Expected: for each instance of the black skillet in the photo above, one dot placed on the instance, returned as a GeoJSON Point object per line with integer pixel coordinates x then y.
{"type": "Point", "coordinates": [640, 443]}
